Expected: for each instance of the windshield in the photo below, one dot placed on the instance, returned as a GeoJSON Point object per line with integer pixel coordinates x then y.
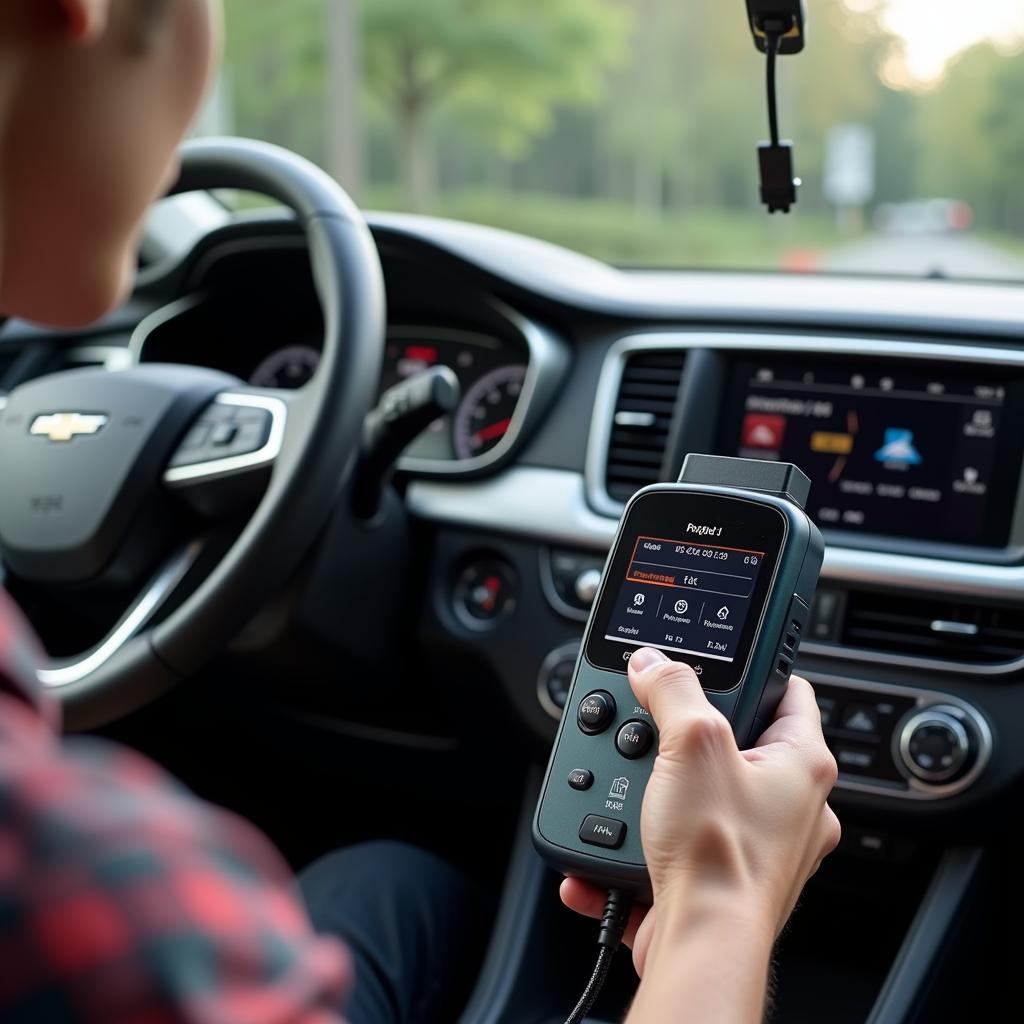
{"type": "Point", "coordinates": [627, 129]}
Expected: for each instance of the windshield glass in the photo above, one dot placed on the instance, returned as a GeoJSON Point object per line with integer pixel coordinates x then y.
{"type": "Point", "coordinates": [627, 129]}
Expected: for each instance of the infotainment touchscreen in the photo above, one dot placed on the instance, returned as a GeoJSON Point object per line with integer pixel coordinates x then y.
{"type": "Point", "coordinates": [889, 450]}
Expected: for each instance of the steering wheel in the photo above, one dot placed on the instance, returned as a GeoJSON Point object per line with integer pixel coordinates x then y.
{"type": "Point", "coordinates": [96, 463]}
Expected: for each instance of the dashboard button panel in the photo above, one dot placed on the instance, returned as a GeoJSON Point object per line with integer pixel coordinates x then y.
{"type": "Point", "coordinates": [902, 742]}
{"type": "Point", "coordinates": [936, 745]}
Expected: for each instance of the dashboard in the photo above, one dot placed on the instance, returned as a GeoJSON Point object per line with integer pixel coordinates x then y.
{"type": "Point", "coordinates": [491, 375]}
{"type": "Point", "coordinates": [904, 402]}
{"type": "Point", "coordinates": [498, 356]}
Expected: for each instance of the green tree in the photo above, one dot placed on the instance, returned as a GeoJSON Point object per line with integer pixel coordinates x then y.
{"type": "Point", "coordinates": [276, 70]}
{"type": "Point", "coordinates": [498, 66]}
{"type": "Point", "coordinates": [1003, 123]}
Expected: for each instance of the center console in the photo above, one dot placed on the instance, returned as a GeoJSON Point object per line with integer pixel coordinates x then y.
{"type": "Point", "coordinates": [914, 450]}
{"type": "Point", "coordinates": [914, 643]}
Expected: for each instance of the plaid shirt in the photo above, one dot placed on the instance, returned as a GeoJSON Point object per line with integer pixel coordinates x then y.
{"type": "Point", "coordinates": [123, 900]}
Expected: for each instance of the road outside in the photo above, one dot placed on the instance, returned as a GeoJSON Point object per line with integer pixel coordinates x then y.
{"type": "Point", "coordinates": [948, 255]}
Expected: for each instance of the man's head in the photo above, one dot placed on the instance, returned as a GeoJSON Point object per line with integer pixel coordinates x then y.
{"type": "Point", "coordinates": [95, 97]}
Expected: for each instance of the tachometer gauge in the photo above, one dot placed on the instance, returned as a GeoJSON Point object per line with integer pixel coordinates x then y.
{"type": "Point", "coordinates": [485, 414]}
{"type": "Point", "coordinates": [290, 368]}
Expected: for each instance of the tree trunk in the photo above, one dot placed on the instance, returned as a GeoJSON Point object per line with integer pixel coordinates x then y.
{"type": "Point", "coordinates": [419, 171]}
{"type": "Point", "coordinates": [647, 185]}
{"type": "Point", "coordinates": [345, 139]}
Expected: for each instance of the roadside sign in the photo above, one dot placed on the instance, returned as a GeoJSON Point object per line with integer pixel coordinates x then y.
{"type": "Point", "coordinates": [850, 165]}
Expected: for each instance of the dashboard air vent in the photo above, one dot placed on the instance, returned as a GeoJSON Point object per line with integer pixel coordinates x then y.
{"type": "Point", "coordinates": [923, 628]}
{"type": "Point", "coordinates": [642, 419]}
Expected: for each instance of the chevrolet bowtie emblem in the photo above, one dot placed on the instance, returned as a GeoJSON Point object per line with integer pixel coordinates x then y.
{"type": "Point", "coordinates": [66, 426]}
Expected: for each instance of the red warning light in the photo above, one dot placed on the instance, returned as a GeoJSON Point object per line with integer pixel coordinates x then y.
{"type": "Point", "coordinates": [421, 353]}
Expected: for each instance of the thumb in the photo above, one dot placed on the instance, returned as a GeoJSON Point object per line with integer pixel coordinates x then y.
{"type": "Point", "coordinates": [668, 689]}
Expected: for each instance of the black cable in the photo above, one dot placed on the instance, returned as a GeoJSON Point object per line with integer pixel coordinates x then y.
{"type": "Point", "coordinates": [605, 957]}
{"type": "Point", "coordinates": [773, 40]}
{"type": "Point", "coordinates": [609, 938]}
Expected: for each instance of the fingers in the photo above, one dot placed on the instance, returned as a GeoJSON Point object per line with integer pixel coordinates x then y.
{"type": "Point", "coordinates": [796, 730]}
{"type": "Point", "coordinates": [688, 725]}
{"type": "Point", "coordinates": [798, 720]}
{"type": "Point", "coordinates": [588, 900]}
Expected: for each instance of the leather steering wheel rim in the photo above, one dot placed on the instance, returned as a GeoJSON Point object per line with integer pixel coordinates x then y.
{"type": "Point", "coordinates": [318, 450]}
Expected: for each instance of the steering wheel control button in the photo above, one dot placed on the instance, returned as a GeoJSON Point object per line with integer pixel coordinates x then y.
{"type": "Point", "coordinates": [223, 431]}
{"type": "Point", "coordinates": [634, 740]}
{"type": "Point", "coordinates": [486, 590]}
{"type": "Point", "coordinates": [596, 712]}
{"type": "Point", "coordinates": [223, 434]}
{"type": "Point", "coordinates": [935, 745]}
{"type": "Point", "coordinates": [581, 779]}
{"type": "Point", "coordinates": [197, 436]}
{"type": "Point", "coordinates": [606, 832]}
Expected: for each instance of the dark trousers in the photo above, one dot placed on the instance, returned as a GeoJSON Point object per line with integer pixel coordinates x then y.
{"type": "Point", "coordinates": [414, 925]}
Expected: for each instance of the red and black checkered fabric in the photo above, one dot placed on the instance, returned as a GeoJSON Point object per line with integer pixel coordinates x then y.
{"type": "Point", "coordinates": [124, 900]}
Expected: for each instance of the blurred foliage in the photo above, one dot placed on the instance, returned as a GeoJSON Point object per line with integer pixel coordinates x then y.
{"type": "Point", "coordinates": [617, 125]}
{"type": "Point", "coordinates": [501, 67]}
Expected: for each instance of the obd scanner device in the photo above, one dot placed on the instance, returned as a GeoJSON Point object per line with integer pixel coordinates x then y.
{"type": "Point", "coordinates": [717, 571]}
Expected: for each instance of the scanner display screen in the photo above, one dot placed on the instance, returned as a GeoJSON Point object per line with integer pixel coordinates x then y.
{"type": "Point", "coordinates": [682, 596]}
{"type": "Point", "coordinates": [690, 575]}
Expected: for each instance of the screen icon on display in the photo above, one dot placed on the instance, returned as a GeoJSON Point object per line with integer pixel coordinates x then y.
{"type": "Point", "coordinates": [764, 432]}
{"type": "Point", "coordinates": [899, 448]}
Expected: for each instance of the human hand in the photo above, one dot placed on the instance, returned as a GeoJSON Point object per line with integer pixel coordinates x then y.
{"type": "Point", "coordinates": [724, 830]}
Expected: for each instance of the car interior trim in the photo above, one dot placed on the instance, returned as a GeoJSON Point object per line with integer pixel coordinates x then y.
{"type": "Point", "coordinates": [164, 315]}
{"type": "Point", "coordinates": [550, 505]}
{"type": "Point", "coordinates": [974, 668]}
{"type": "Point", "coordinates": [131, 622]}
{"type": "Point", "coordinates": [567, 277]}
{"type": "Point", "coordinates": [925, 699]}
{"type": "Point", "coordinates": [216, 469]}
{"type": "Point", "coordinates": [110, 357]}
{"type": "Point", "coordinates": [913, 973]}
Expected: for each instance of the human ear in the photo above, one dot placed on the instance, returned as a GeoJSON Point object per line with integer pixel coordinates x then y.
{"type": "Point", "coordinates": [85, 20]}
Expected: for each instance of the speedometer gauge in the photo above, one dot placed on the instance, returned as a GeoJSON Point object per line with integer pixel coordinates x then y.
{"type": "Point", "coordinates": [485, 414]}
{"type": "Point", "coordinates": [290, 367]}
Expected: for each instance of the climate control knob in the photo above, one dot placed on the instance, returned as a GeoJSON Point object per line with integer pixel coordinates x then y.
{"type": "Point", "coordinates": [936, 745]}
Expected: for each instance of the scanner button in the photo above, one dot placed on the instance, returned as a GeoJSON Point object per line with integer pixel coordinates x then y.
{"type": "Point", "coordinates": [634, 740]}
{"type": "Point", "coordinates": [581, 779]}
{"type": "Point", "coordinates": [596, 712]}
{"type": "Point", "coordinates": [606, 832]}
